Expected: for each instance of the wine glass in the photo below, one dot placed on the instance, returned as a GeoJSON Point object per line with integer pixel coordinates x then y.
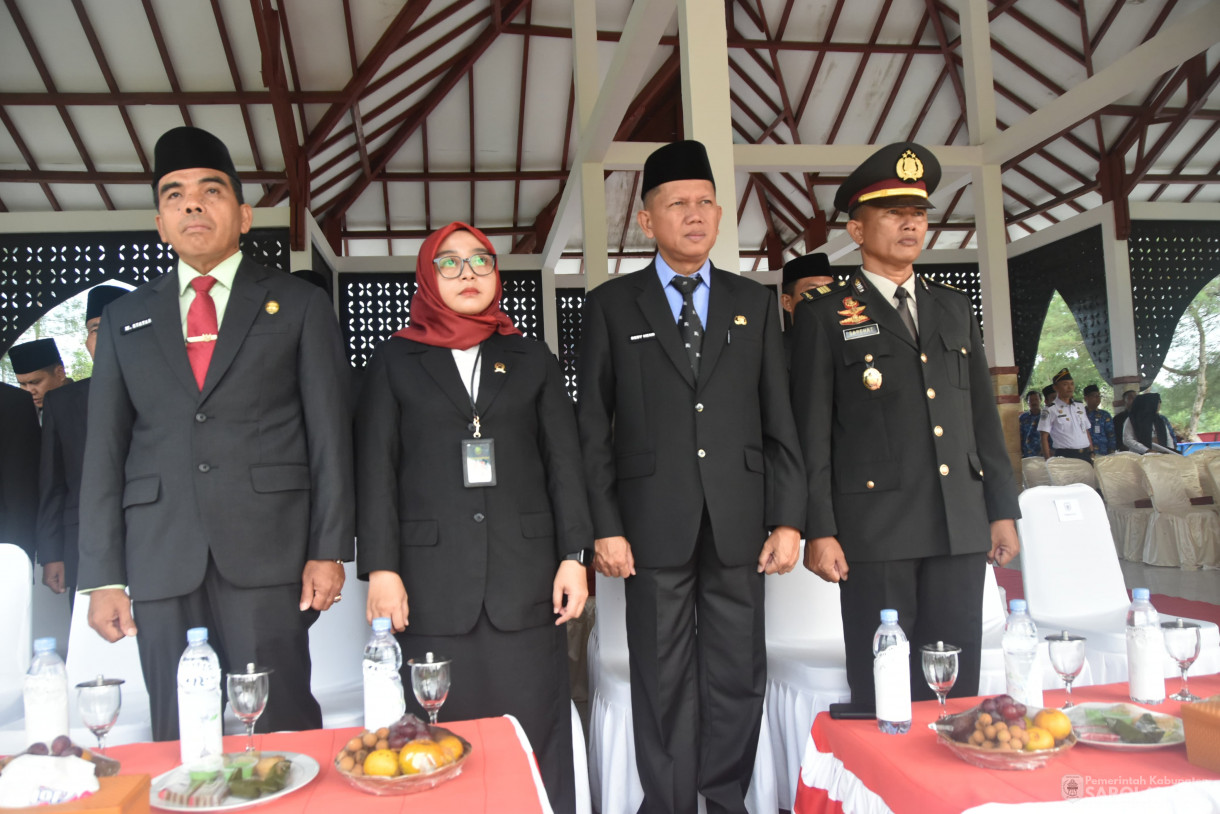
{"type": "Point", "coordinates": [940, 662]}
{"type": "Point", "coordinates": [1182, 642]}
{"type": "Point", "coordinates": [430, 681]}
{"type": "Point", "coordinates": [248, 693]}
{"type": "Point", "coordinates": [99, 702]}
{"type": "Point", "coordinates": [1067, 657]}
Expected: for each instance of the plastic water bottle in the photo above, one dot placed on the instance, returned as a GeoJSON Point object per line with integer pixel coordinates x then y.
{"type": "Point", "coordinates": [45, 693]}
{"type": "Point", "coordinates": [199, 705]}
{"type": "Point", "coordinates": [1020, 645]}
{"type": "Point", "coordinates": [892, 675]}
{"type": "Point", "coordinates": [383, 699]}
{"type": "Point", "coordinates": [1145, 650]}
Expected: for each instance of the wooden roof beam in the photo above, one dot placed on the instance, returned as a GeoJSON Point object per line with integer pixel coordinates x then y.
{"type": "Point", "coordinates": [151, 15]}
{"type": "Point", "coordinates": [235, 75]}
{"type": "Point", "coordinates": [152, 98]}
{"type": "Point", "coordinates": [29, 157]}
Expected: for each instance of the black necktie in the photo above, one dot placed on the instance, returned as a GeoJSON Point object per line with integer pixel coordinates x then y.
{"type": "Point", "coordinates": [904, 311]}
{"type": "Point", "coordinates": [688, 320]}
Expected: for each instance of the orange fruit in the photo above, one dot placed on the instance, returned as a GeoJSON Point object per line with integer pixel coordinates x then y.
{"type": "Point", "coordinates": [381, 763]}
{"type": "Point", "coordinates": [451, 746]}
{"type": "Point", "coordinates": [1055, 722]}
{"type": "Point", "coordinates": [421, 756]}
{"type": "Point", "coordinates": [1039, 739]}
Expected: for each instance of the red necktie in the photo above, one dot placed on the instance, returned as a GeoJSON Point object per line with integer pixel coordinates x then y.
{"type": "Point", "coordinates": [201, 327]}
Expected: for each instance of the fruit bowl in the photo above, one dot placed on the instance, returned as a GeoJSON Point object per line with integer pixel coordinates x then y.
{"type": "Point", "coordinates": [409, 783]}
{"type": "Point", "coordinates": [991, 758]}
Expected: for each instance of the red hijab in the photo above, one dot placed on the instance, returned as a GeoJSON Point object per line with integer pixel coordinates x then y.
{"type": "Point", "coordinates": [433, 322]}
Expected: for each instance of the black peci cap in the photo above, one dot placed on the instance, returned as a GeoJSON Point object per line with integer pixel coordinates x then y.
{"type": "Point", "coordinates": [902, 174]}
{"type": "Point", "coordinates": [809, 265]}
{"type": "Point", "coordinates": [679, 161]}
{"type": "Point", "coordinates": [99, 297]}
{"type": "Point", "coordinates": [30, 356]}
{"type": "Point", "coordinates": [188, 148]}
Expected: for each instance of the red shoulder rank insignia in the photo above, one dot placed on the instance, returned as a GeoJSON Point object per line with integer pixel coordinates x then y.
{"type": "Point", "coordinates": [853, 313]}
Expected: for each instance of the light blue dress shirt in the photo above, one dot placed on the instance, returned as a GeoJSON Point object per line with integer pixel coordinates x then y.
{"type": "Point", "coordinates": [675, 296]}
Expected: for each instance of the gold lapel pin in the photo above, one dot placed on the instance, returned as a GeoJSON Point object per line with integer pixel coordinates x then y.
{"type": "Point", "coordinates": [739, 320]}
{"type": "Point", "coordinates": [500, 368]}
{"type": "Point", "coordinates": [272, 307]}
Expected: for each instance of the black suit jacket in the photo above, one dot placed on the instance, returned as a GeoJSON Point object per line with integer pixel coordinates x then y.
{"type": "Point", "coordinates": [659, 445]}
{"type": "Point", "coordinates": [65, 411]}
{"type": "Point", "coordinates": [255, 469]}
{"type": "Point", "coordinates": [19, 439]}
{"type": "Point", "coordinates": [918, 466]}
{"type": "Point", "coordinates": [461, 549]}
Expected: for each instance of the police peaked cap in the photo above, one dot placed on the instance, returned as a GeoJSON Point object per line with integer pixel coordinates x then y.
{"type": "Point", "coordinates": [679, 161]}
{"type": "Point", "coordinates": [809, 265]}
{"type": "Point", "coordinates": [902, 174]}
{"type": "Point", "coordinates": [1064, 375]}
{"type": "Point", "coordinates": [37, 355]}
{"type": "Point", "coordinates": [188, 148]}
{"type": "Point", "coordinates": [99, 297]}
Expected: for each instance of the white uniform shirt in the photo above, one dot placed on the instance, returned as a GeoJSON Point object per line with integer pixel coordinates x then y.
{"type": "Point", "coordinates": [1068, 424]}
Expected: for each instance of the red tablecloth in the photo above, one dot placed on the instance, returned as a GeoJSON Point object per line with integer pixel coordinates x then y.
{"type": "Point", "coordinates": [913, 773]}
{"type": "Point", "coordinates": [495, 778]}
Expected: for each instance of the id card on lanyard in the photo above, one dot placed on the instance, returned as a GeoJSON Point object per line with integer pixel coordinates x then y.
{"type": "Point", "coordinates": [478, 453]}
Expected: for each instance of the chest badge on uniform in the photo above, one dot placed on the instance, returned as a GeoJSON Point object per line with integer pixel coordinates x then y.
{"type": "Point", "coordinates": [272, 307]}
{"type": "Point", "coordinates": [872, 378]}
{"type": "Point", "coordinates": [739, 320]}
{"type": "Point", "coordinates": [853, 313]}
{"type": "Point", "coordinates": [500, 368]}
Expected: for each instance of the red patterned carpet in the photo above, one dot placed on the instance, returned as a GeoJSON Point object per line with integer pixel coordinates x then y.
{"type": "Point", "coordinates": [1010, 580]}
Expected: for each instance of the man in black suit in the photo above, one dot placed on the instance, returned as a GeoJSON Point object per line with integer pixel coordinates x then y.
{"type": "Point", "coordinates": [64, 414]}
{"type": "Point", "coordinates": [801, 274]}
{"type": "Point", "coordinates": [39, 369]}
{"type": "Point", "coordinates": [910, 485]}
{"type": "Point", "coordinates": [217, 482]}
{"type": "Point", "coordinates": [18, 468]}
{"type": "Point", "coordinates": [691, 459]}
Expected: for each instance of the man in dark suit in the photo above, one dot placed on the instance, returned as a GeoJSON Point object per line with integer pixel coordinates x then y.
{"type": "Point", "coordinates": [217, 483]}
{"type": "Point", "coordinates": [801, 274]}
{"type": "Point", "coordinates": [691, 459]}
{"type": "Point", "coordinates": [39, 369]}
{"type": "Point", "coordinates": [64, 414]}
{"type": "Point", "coordinates": [910, 485]}
{"type": "Point", "coordinates": [18, 468]}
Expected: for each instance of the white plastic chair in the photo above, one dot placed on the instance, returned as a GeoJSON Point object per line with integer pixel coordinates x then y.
{"type": "Point", "coordinates": [1181, 534]}
{"type": "Point", "coordinates": [1122, 484]}
{"type": "Point", "coordinates": [90, 655]}
{"type": "Point", "coordinates": [336, 652]}
{"type": "Point", "coordinates": [16, 586]}
{"type": "Point", "coordinates": [1033, 472]}
{"type": "Point", "coordinates": [1063, 471]}
{"type": "Point", "coordinates": [1073, 580]}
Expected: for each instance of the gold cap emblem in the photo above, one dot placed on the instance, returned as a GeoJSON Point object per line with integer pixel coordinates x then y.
{"type": "Point", "coordinates": [272, 307]}
{"type": "Point", "coordinates": [739, 320]}
{"type": "Point", "coordinates": [910, 168]}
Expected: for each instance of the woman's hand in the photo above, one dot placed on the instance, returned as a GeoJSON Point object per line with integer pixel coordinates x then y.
{"type": "Point", "coordinates": [570, 581]}
{"type": "Point", "coordinates": [388, 597]}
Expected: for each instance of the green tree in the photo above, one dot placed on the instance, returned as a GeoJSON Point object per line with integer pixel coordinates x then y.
{"type": "Point", "coordinates": [1189, 381]}
{"type": "Point", "coordinates": [1060, 346]}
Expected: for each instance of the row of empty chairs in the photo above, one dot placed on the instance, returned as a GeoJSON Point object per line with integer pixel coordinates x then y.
{"type": "Point", "coordinates": [1163, 509]}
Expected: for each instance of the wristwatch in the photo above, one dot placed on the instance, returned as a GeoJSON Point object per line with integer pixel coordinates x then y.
{"type": "Point", "coordinates": [584, 556]}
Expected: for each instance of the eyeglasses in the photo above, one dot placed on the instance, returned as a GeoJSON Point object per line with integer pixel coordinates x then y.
{"type": "Point", "coordinates": [450, 266]}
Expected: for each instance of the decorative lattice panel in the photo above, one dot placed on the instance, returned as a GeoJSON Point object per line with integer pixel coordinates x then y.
{"type": "Point", "coordinates": [373, 306]}
{"type": "Point", "coordinates": [962, 276]}
{"type": "Point", "coordinates": [1171, 261]}
{"type": "Point", "coordinates": [39, 271]}
{"type": "Point", "coordinates": [1075, 266]}
{"type": "Point", "coordinates": [569, 311]}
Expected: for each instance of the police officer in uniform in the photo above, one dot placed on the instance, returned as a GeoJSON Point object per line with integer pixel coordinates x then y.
{"type": "Point", "coordinates": [1064, 425]}
{"type": "Point", "coordinates": [910, 487]}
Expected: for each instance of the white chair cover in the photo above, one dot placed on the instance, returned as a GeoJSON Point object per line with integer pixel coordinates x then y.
{"type": "Point", "coordinates": [1207, 481]}
{"type": "Point", "coordinates": [89, 655]}
{"type": "Point", "coordinates": [1063, 471]}
{"type": "Point", "coordinates": [1073, 581]}
{"type": "Point", "coordinates": [1122, 483]}
{"type": "Point", "coordinates": [1181, 534]}
{"type": "Point", "coordinates": [16, 586]}
{"type": "Point", "coordinates": [336, 652]}
{"type": "Point", "coordinates": [806, 667]}
{"type": "Point", "coordinates": [1033, 472]}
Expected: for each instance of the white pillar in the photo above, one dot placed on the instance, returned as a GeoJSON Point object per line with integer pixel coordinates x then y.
{"type": "Point", "coordinates": [592, 176]}
{"type": "Point", "coordinates": [993, 264]}
{"type": "Point", "coordinates": [703, 41]}
{"type": "Point", "coordinates": [593, 216]}
{"type": "Point", "coordinates": [1121, 307]}
{"type": "Point", "coordinates": [976, 64]}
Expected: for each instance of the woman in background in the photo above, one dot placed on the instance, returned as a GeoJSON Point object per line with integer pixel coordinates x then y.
{"type": "Point", "coordinates": [1146, 430]}
{"type": "Point", "coordinates": [472, 517]}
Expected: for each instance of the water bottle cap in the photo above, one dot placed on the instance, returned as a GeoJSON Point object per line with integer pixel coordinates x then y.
{"type": "Point", "coordinates": [381, 624]}
{"type": "Point", "coordinates": [197, 635]}
{"type": "Point", "coordinates": [1139, 593]}
{"type": "Point", "coordinates": [889, 616]}
{"type": "Point", "coordinates": [1018, 606]}
{"type": "Point", "coordinates": [44, 645]}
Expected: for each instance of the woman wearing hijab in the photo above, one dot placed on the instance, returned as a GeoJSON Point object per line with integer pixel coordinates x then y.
{"type": "Point", "coordinates": [471, 511]}
{"type": "Point", "coordinates": [1146, 430]}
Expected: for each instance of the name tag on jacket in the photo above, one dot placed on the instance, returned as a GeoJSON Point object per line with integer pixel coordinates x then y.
{"type": "Point", "coordinates": [642, 337]}
{"type": "Point", "coordinates": [135, 326]}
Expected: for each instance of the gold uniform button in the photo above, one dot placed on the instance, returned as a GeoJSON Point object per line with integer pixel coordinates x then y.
{"type": "Point", "coordinates": [963, 351]}
{"type": "Point", "coordinates": [870, 484]}
{"type": "Point", "coordinates": [944, 469]}
{"type": "Point", "coordinates": [938, 431]}
{"type": "Point", "coordinates": [699, 408]}
{"type": "Point", "coordinates": [923, 357]}
{"type": "Point", "coordinates": [868, 357]}
{"type": "Point", "coordinates": [931, 393]}
{"type": "Point", "coordinates": [980, 473]}
{"type": "Point", "coordinates": [702, 454]}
